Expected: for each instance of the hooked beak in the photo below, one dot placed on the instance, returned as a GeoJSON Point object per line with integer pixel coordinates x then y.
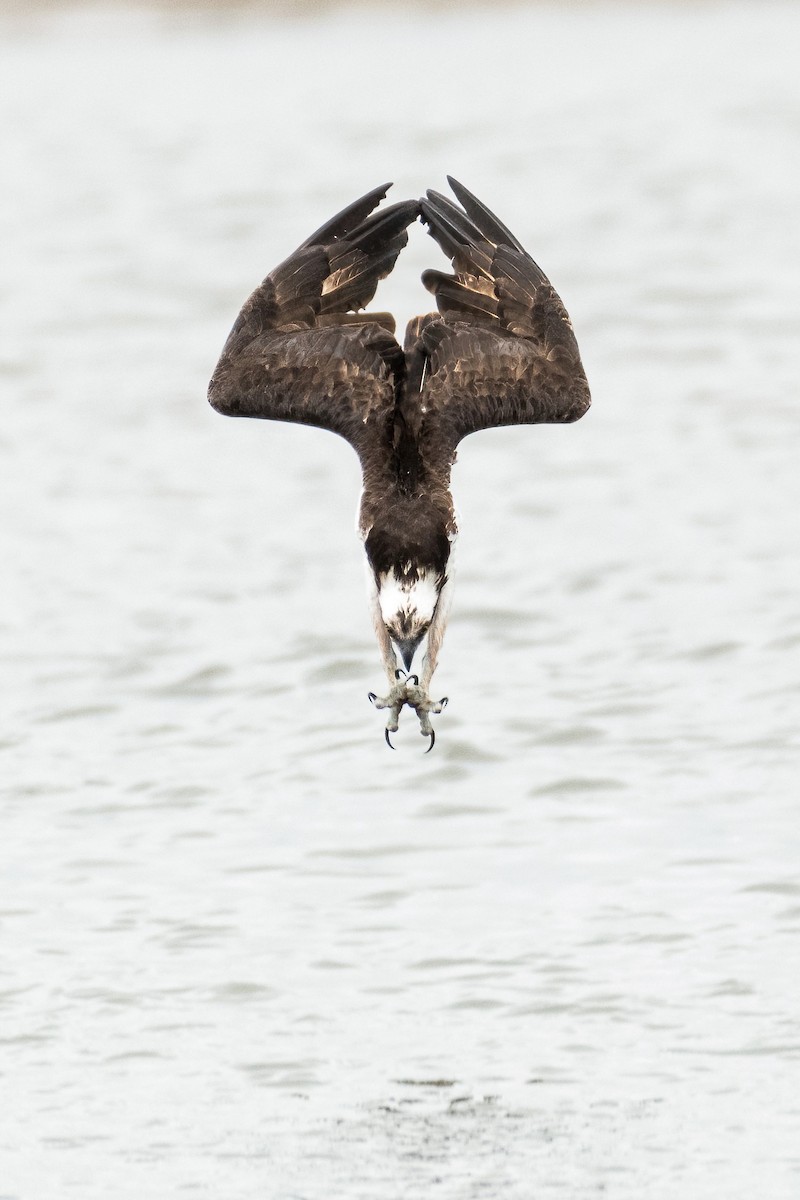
{"type": "Point", "coordinates": [407, 648]}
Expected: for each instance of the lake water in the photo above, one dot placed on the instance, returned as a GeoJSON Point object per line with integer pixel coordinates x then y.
{"type": "Point", "coordinates": [246, 950]}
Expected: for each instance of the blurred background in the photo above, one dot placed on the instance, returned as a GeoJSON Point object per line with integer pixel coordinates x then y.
{"type": "Point", "coordinates": [247, 950]}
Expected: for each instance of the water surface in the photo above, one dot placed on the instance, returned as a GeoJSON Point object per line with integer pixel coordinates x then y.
{"type": "Point", "coordinates": [247, 951]}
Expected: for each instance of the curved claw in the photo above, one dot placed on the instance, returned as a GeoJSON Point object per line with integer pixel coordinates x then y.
{"type": "Point", "coordinates": [388, 742]}
{"type": "Point", "coordinates": [413, 679]}
{"type": "Point", "coordinates": [445, 700]}
{"type": "Point", "coordinates": [371, 697]}
{"type": "Point", "coordinates": [399, 671]}
{"type": "Point", "coordinates": [433, 739]}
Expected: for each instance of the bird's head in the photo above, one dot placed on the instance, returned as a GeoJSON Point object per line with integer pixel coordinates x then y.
{"type": "Point", "coordinates": [408, 596]}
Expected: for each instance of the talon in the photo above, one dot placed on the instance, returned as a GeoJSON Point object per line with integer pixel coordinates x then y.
{"type": "Point", "coordinates": [433, 739]}
{"type": "Point", "coordinates": [371, 697]}
{"type": "Point", "coordinates": [388, 742]}
{"type": "Point", "coordinates": [444, 701]}
{"type": "Point", "coordinates": [413, 679]}
{"type": "Point", "coordinates": [399, 672]}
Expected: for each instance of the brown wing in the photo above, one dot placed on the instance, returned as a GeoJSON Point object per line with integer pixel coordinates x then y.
{"type": "Point", "coordinates": [502, 351]}
{"type": "Point", "coordinates": [300, 350]}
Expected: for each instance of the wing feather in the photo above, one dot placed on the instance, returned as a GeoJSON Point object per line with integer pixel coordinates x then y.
{"type": "Point", "coordinates": [489, 225]}
{"type": "Point", "coordinates": [301, 350]}
{"type": "Point", "coordinates": [502, 351]}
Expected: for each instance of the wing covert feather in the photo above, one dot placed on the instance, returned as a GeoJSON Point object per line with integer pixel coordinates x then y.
{"type": "Point", "coordinates": [300, 349]}
{"type": "Point", "coordinates": [334, 377]}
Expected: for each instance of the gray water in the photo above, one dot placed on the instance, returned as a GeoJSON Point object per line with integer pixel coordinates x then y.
{"type": "Point", "coordinates": [246, 950]}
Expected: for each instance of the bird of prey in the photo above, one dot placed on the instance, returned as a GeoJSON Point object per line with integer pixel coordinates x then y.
{"type": "Point", "coordinates": [500, 350]}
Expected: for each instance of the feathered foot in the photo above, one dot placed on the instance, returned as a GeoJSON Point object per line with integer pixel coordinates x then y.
{"type": "Point", "coordinates": [406, 690]}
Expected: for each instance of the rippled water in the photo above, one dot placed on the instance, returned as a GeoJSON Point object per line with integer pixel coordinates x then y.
{"type": "Point", "coordinates": [246, 950]}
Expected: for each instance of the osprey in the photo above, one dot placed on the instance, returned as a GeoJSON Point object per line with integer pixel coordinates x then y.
{"type": "Point", "coordinates": [499, 351]}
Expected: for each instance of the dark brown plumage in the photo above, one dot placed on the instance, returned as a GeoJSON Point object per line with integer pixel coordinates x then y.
{"type": "Point", "coordinates": [500, 351]}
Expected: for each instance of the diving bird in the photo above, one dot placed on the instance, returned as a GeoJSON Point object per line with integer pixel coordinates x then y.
{"type": "Point", "coordinates": [500, 350]}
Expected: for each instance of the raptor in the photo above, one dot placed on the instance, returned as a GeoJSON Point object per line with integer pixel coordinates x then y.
{"type": "Point", "coordinates": [499, 350]}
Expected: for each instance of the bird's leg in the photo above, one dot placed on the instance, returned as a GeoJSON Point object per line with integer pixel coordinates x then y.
{"type": "Point", "coordinates": [431, 657]}
{"type": "Point", "coordinates": [396, 697]}
{"type": "Point", "coordinates": [436, 634]}
{"type": "Point", "coordinates": [416, 693]}
{"type": "Point", "coordinates": [408, 689]}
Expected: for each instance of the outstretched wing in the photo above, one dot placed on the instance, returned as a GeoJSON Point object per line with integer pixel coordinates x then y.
{"type": "Point", "coordinates": [502, 351]}
{"type": "Point", "coordinates": [301, 351]}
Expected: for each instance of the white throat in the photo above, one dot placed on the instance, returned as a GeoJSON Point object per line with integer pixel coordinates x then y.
{"type": "Point", "coordinates": [415, 600]}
